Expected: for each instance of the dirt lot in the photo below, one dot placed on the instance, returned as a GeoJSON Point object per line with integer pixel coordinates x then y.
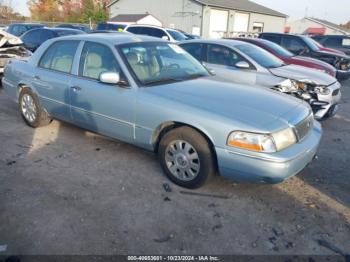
{"type": "Point", "coordinates": [67, 191]}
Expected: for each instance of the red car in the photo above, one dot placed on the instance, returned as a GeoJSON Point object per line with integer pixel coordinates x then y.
{"type": "Point", "coordinates": [289, 58]}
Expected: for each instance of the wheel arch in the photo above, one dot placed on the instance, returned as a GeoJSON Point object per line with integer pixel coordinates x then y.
{"type": "Point", "coordinates": [165, 127]}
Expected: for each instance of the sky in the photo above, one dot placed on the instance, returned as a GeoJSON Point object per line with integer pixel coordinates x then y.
{"type": "Point", "coordinates": [337, 11]}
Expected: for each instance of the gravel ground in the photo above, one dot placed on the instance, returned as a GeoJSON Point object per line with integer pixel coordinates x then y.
{"type": "Point", "coordinates": [67, 191]}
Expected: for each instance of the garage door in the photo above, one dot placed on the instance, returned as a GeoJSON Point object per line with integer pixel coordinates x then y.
{"type": "Point", "coordinates": [241, 23]}
{"type": "Point", "coordinates": [218, 23]}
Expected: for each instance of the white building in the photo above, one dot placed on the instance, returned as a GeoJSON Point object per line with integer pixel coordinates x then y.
{"type": "Point", "coordinates": [209, 18]}
{"type": "Point", "coordinates": [315, 26]}
{"type": "Point", "coordinates": [141, 19]}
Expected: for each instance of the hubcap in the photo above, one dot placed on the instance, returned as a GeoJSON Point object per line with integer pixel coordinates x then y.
{"type": "Point", "coordinates": [182, 160]}
{"type": "Point", "coordinates": [28, 108]}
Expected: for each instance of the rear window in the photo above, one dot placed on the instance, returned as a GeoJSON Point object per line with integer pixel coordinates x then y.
{"type": "Point", "coordinates": [67, 32]}
{"type": "Point", "coordinates": [273, 38]}
{"type": "Point", "coordinates": [113, 27]}
{"type": "Point", "coordinates": [177, 35]}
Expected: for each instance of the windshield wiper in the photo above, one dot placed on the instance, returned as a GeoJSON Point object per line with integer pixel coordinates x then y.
{"type": "Point", "coordinates": [162, 81]}
{"type": "Point", "coordinates": [195, 76]}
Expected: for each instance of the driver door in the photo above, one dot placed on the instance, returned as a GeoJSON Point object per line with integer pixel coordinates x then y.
{"type": "Point", "coordinates": [222, 61]}
{"type": "Point", "coordinates": [103, 108]}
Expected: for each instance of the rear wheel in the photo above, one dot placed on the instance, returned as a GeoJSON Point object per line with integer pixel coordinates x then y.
{"type": "Point", "coordinates": [186, 157]}
{"type": "Point", "coordinates": [33, 114]}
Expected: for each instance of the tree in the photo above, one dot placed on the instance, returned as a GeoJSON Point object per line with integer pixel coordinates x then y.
{"type": "Point", "coordinates": [68, 11]}
{"type": "Point", "coordinates": [45, 10]}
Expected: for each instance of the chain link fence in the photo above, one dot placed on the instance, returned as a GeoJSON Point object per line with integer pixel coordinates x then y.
{"type": "Point", "coordinates": [7, 22]}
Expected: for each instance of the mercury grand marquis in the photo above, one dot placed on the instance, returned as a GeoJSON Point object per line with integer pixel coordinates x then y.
{"type": "Point", "coordinates": [153, 94]}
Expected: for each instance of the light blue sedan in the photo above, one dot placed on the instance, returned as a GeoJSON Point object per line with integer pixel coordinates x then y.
{"type": "Point", "coordinates": [153, 94]}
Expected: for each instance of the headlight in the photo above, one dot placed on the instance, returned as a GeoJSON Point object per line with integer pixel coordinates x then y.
{"type": "Point", "coordinates": [322, 90]}
{"type": "Point", "coordinates": [268, 143]}
{"type": "Point", "coordinates": [252, 141]}
{"type": "Point", "coordinates": [284, 139]}
{"type": "Point", "coordinates": [288, 86]}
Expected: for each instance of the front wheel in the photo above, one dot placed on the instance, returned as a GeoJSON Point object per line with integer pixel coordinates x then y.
{"type": "Point", "coordinates": [186, 157]}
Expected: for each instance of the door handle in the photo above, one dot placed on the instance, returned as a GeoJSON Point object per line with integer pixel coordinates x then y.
{"type": "Point", "coordinates": [76, 88]}
{"type": "Point", "coordinates": [37, 77]}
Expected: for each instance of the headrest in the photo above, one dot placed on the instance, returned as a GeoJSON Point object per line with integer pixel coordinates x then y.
{"type": "Point", "coordinates": [132, 58]}
{"type": "Point", "coordinates": [93, 60]}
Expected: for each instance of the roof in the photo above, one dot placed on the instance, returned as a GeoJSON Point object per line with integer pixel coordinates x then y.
{"type": "Point", "coordinates": [241, 5]}
{"type": "Point", "coordinates": [329, 24]}
{"type": "Point", "coordinates": [128, 18]}
{"type": "Point", "coordinates": [226, 42]}
{"type": "Point", "coordinates": [113, 39]}
{"type": "Point", "coordinates": [316, 30]}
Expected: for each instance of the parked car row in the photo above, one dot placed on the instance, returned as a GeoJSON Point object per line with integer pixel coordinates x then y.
{"type": "Point", "coordinates": [304, 45]}
{"type": "Point", "coordinates": [244, 108]}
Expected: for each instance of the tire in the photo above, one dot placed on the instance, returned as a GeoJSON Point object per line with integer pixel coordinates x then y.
{"type": "Point", "coordinates": [37, 115]}
{"type": "Point", "coordinates": [177, 155]}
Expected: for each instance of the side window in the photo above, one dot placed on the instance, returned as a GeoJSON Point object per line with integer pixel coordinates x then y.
{"type": "Point", "coordinates": [273, 38]}
{"type": "Point", "coordinates": [293, 44]}
{"type": "Point", "coordinates": [96, 59]}
{"type": "Point", "coordinates": [158, 33]}
{"type": "Point", "coordinates": [222, 55]}
{"type": "Point", "coordinates": [59, 56]}
{"type": "Point", "coordinates": [196, 50]}
{"type": "Point", "coordinates": [333, 42]}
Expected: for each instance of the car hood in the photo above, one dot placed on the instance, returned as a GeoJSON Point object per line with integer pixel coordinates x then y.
{"type": "Point", "coordinates": [314, 61]}
{"type": "Point", "coordinates": [7, 40]}
{"type": "Point", "coordinates": [257, 107]}
{"type": "Point", "coordinates": [295, 72]}
{"type": "Point", "coordinates": [331, 50]}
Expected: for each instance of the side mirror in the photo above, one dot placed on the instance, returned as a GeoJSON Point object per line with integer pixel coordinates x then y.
{"type": "Point", "coordinates": [110, 78]}
{"type": "Point", "coordinates": [165, 38]}
{"type": "Point", "coordinates": [242, 65]}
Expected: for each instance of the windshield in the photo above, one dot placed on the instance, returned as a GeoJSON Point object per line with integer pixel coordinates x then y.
{"type": "Point", "coordinates": [261, 56]}
{"type": "Point", "coordinates": [279, 50]}
{"type": "Point", "coordinates": [311, 43]}
{"type": "Point", "coordinates": [156, 63]}
{"type": "Point", "coordinates": [178, 36]}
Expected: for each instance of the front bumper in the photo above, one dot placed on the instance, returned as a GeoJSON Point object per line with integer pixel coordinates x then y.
{"type": "Point", "coordinates": [269, 168]}
{"type": "Point", "coordinates": [343, 75]}
{"type": "Point", "coordinates": [330, 101]}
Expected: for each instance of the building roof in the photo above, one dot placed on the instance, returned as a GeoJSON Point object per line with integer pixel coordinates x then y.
{"type": "Point", "coordinates": [241, 5]}
{"type": "Point", "coordinates": [128, 18]}
{"type": "Point", "coordinates": [329, 24]}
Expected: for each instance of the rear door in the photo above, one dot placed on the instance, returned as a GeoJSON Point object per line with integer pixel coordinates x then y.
{"type": "Point", "coordinates": [223, 61]}
{"type": "Point", "coordinates": [53, 76]}
{"type": "Point", "coordinates": [104, 108]}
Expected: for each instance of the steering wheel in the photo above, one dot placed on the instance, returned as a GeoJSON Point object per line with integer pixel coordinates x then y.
{"type": "Point", "coordinates": [167, 68]}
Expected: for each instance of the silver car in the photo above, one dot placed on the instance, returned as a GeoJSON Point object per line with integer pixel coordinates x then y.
{"type": "Point", "coordinates": [244, 63]}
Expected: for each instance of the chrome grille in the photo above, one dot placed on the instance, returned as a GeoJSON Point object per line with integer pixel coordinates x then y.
{"type": "Point", "coordinates": [303, 128]}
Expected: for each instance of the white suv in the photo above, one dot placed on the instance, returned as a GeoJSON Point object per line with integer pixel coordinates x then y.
{"type": "Point", "coordinates": [155, 31]}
